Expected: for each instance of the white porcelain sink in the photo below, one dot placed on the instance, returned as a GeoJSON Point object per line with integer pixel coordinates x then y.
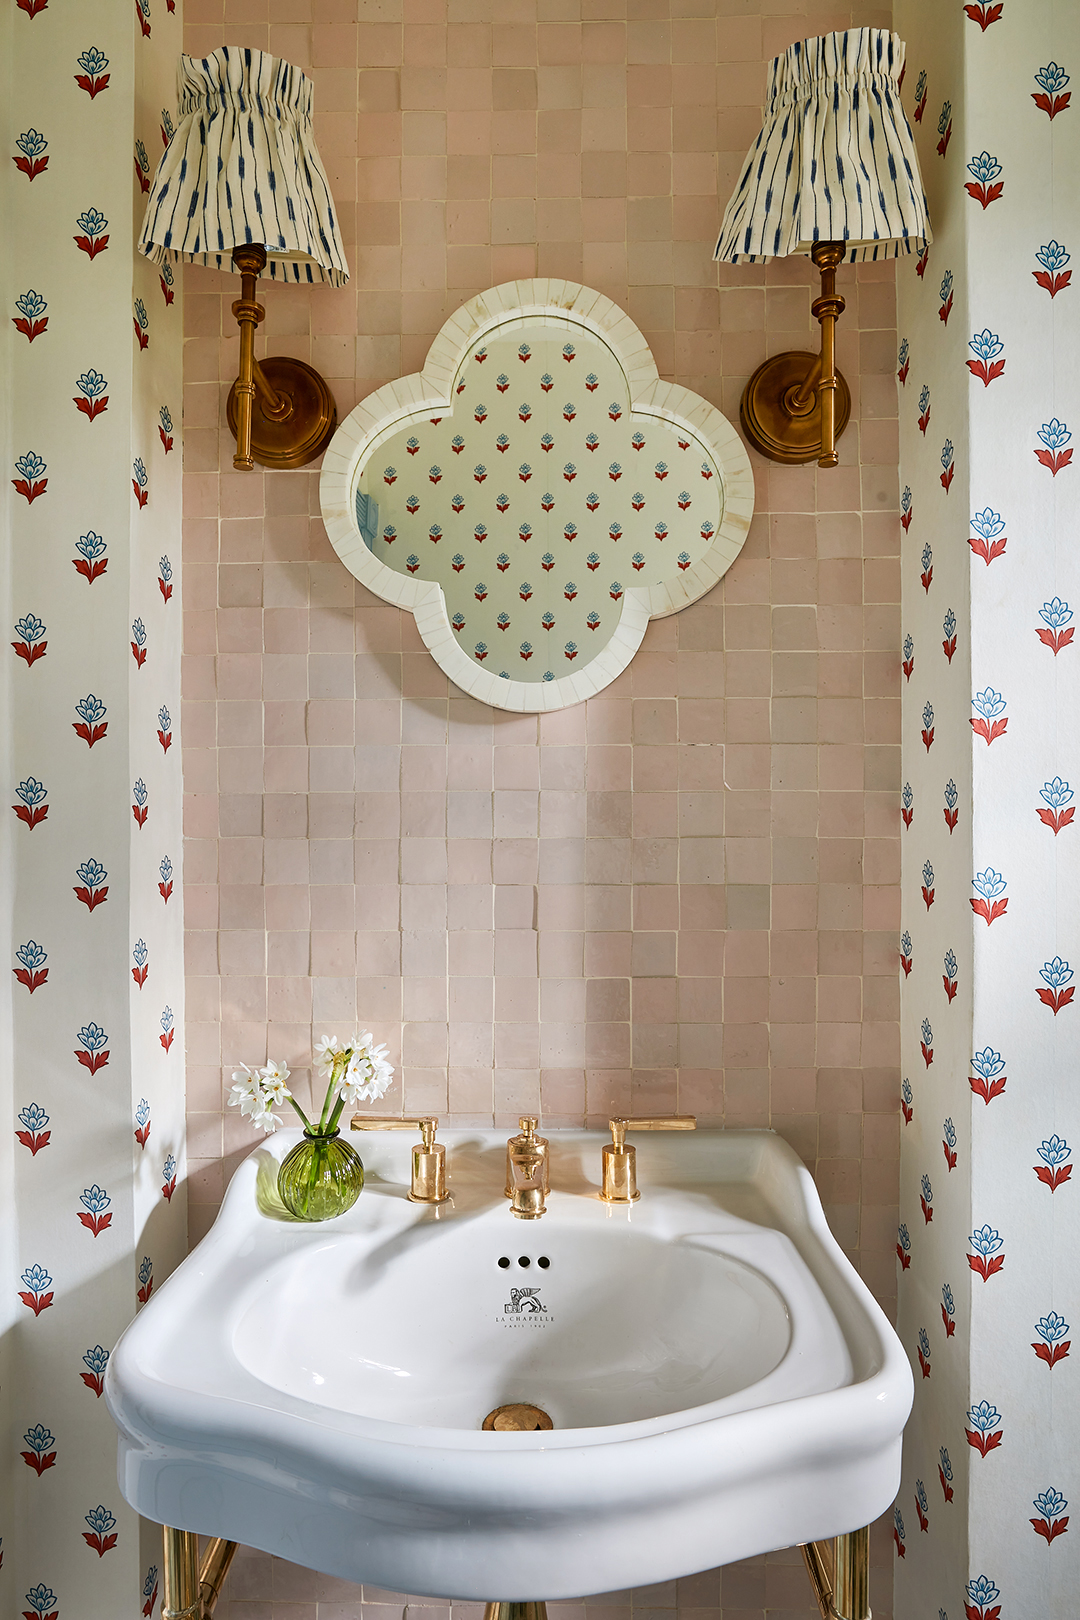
{"type": "Point", "coordinates": [719, 1381]}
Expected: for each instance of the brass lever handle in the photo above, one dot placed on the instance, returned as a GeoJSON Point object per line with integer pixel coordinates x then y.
{"type": "Point", "coordinates": [618, 1182]}
{"type": "Point", "coordinates": [428, 1185]}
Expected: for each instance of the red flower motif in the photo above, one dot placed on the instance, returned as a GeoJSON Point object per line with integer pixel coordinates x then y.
{"type": "Point", "coordinates": [987, 1089]}
{"type": "Point", "coordinates": [1055, 459]}
{"type": "Point", "coordinates": [34, 1140]}
{"type": "Point", "coordinates": [943, 144]}
{"type": "Point", "coordinates": [1048, 1529]}
{"type": "Point", "coordinates": [90, 570]}
{"type": "Point", "coordinates": [1050, 1178]}
{"type": "Point", "coordinates": [139, 975]}
{"type": "Point", "coordinates": [39, 1463]}
{"type": "Point", "coordinates": [950, 1153]}
{"type": "Point", "coordinates": [923, 260]}
{"type": "Point", "coordinates": [142, 496]}
{"type": "Point", "coordinates": [93, 1060]}
{"type": "Point", "coordinates": [91, 246]}
{"type": "Point", "coordinates": [1056, 999]}
{"type": "Point", "coordinates": [95, 1223]}
{"type": "Point", "coordinates": [1054, 639]}
{"type": "Point", "coordinates": [1051, 105]}
{"type": "Point", "coordinates": [950, 1325]}
{"type": "Point", "coordinates": [1052, 1353]}
{"type": "Point", "coordinates": [31, 490]}
{"type": "Point", "coordinates": [89, 734]}
{"type": "Point", "coordinates": [31, 167]}
{"type": "Point", "coordinates": [30, 329]}
{"type": "Point", "coordinates": [36, 1302]}
{"type": "Point", "coordinates": [984, 1443]}
{"type": "Point", "coordinates": [139, 811]}
{"type": "Point", "coordinates": [989, 730]}
{"type": "Point", "coordinates": [984, 15]}
{"type": "Point", "coordinates": [990, 912]}
{"type": "Point", "coordinates": [138, 653]}
{"type": "Point", "coordinates": [987, 374]}
{"type": "Point", "coordinates": [986, 1265]}
{"type": "Point", "coordinates": [29, 651]}
{"type": "Point", "coordinates": [984, 194]}
{"type": "Point", "coordinates": [32, 981]}
{"type": "Point", "coordinates": [951, 818]}
{"type": "Point", "coordinates": [91, 897]}
{"type": "Point", "coordinates": [93, 85]}
{"type": "Point", "coordinates": [1053, 283]}
{"type": "Point", "coordinates": [951, 992]}
{"type": "Point", "coordinates": [988, 551]}
{"type": "Point", "coordinates": [1056, 819]}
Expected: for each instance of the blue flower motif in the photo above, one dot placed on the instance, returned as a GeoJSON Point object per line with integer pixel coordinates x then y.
{"type": "Point", "coordinates": [91, 546]}
{"type": "Point", "coordinates": [91, 709]}
{"type": "Point", "coordinates": [946, 1464]}
{"type": "Point", "coordinates": [986, 1240]}
{"type": "Point", "coordinates": [32, 955]}
{"type": "Point", "coordinates": [139, 792]}
{"type": "Point", "coordinates": [30, 466]}
{"type": "Point", "coordinates": [138, 632]}
{"type": "Point", "coordinates": [949, 624]}
{"type": "Point", "coordinates": [142, 1112]}
{"type": "Point", "coordinates": [39, 1439]}
{"type": "Point", "coordinates": [141, 158]}
{"type": "Point", "coordinates": [165, 869]}
{"type": "Point", "coordinates": [984, 1417]}
{"type": "Point", "coordinates": [927, 557]}
{"type": "Point", "coordinates": [987, 523]}
{"type": "Point", "coordinates": [93, 1037]}
{"type": "Point", "coordinates": [947, 454]}
{"type": "Point", "coordinates": [42, 1599]}
{"type": "Point", "coordinates": [986, 344]}
{"type": "Point", "coordinates": [951, 794]}
{"type": "Point", "coordinates": [982, 1591]}
{"type": "Point", "coordinates": [928, 715]}
{"type": "Point", "coordinates": [945, 290]}
{"type": "Point", "coordinates": [1049, 1503]}
{"type": "Point", "coordinates": [166, 120]}
{"type": "Point", "coordinates": [31, 304]}
{"type": "Point", "coordinates": [1055, 613]}
{"type": "Point", "coordinates": [901, 358]}
{"type": "Point", "coordinates": [139, 469]}
{"type": "Point", "coordinates": [164, 719]}
{"type": "Point", "coordinates": [920, 88]}
{"type": "Point", "coordinates": [928, 874]}
{"type": "Point", "coordinates": [29, 627]}
{"type": "Point", "coordinates": [31, 143]}
{"type": "Point", "coordinates": [169, 1169]}
{"type": "Point", "coordinates": [903, 1237]}
{"type": "Point", "coordinates": [36, 1279]}
{"type": "Point", "coordinates": [1051, 78]}
{"type": "Point", "coordinates": [1053, 257]}
{"type": "Point", "coordinates": [167, 1019]}
{"type": "Point", "coordinates": [985, 168]}
{"type": "Point", "coordinates": [31, 792]}
{"type": "Point", "coordinates": [905, 1090]}
{"type": "Point", "coordinates": [909, 647]}
{"type": "Point", "coordinates": [1054, 434]}
{"type": "Point", "coordinates": [950, 1130]}
{"type": "Point", "coordinates": [95, 1199]}
{"type": "Point", "coordinates": [99, 1519]}
{"type": "Point", "coordinates": [907, 797]}
{"type": "Point", "coordinates": [924, 399]}
{"type": "Point", "coordinates": [1056, 973]}
{"type": "Point", "coordinates": [97, 1359]}
{"type": "Point", "coordinates": [146, 1270]}
{"type": "Point", "coordinates": [92, 223]}
{"type": "Point", "coordinates": [93, 61]}
{"type": "Point", "coordinates": [920, 1492]}
{"type": "Point", "coordinates": [927, 1032]}
{"type": "Point", "coordinates": [947, 1300]}
{"type": "Point", "coordinates": [905, 499]}
{"type": "Point", "coordinates": [927, 1190]}
{"type": "Point", "coordinates": [1056, 793]}
{"type": "Point", "coordinates": [141, 317]}
{"type": "Point", "coordinates": [165, 418]}
{"type": "Point", "coordinates": [924, 1343]}
{"type": "Point", "coordinates": [150, 1581]}
{"type": "Point", "coordinates": [91, 384]}
{"type": "Point", "coordinates": [988, 703]}
{"type": "Point", "coordinates": [898, 1520]}
{"type": "Point", "coordinates": [1051, 1328]}
{"type": "Point", "coordinates": [91, 873]}
{"type": "Point", "coordinates": [946, 114]}
{"type": "Point", "coordinates": [988, 1063]}
{"type": "Point", "coordinates": [989, 884]}
{"type": "Point", "coordinates": [33, 1117]}
{"type": "Point", "coordinates": [1055, 1150]}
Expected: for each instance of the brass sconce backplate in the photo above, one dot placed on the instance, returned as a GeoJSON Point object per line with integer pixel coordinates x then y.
{"type": "Point", "coordinates": [770, 411]}
{"type": "Point", "coordinates": [299, 435]}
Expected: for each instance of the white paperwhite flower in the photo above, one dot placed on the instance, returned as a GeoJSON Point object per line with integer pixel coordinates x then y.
{"type": "Point", "coordinates": [249, 1096]}
{"type": "Point", "coordinates": [369, 1072]}
{"type": "Point", "coordinates": [326, 1050]}
{"type": "Point", "coordinates": [274, 1077]}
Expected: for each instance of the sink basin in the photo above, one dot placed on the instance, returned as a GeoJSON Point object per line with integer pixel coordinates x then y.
{"type": "Point", "coordinates": [718, 1380]}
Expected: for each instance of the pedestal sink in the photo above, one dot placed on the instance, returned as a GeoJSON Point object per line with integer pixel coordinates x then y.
{"type": "Point", "coordinates": [717, 1379]}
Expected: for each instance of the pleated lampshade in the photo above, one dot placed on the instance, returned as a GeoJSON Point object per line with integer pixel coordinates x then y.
{"type": "Point", "coordinates": [835, 160]}
{"type": "Point", "coordinates": [243, 168]}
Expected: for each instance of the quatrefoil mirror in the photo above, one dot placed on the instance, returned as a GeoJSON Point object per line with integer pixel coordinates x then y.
{"type": "Point", "coordinates": [536, 495]}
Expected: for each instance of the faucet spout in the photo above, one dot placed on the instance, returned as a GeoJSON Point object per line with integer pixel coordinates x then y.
{"type": "Point", "coordinates": [527, 1159]}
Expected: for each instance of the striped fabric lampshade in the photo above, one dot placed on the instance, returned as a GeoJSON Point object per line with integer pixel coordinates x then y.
{"type": "Point", "coordinates": [835, 160]}
{"type": "Point", "coordinates": [242, 168]}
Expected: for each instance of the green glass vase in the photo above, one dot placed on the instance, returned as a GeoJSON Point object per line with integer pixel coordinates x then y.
{"type": "Point", "coordinates": [321, 1177]}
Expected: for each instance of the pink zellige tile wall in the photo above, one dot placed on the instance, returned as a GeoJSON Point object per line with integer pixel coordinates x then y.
{"type": "Point", "coordinates": [681, 895]}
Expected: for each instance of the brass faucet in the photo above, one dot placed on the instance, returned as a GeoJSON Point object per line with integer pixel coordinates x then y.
{"type": "Point", "coordinates": [428, 1156]}
{"type": "Point", "coordinates": [527, 1171]}
{"type": "Point", "coordinates": [619, 1161]}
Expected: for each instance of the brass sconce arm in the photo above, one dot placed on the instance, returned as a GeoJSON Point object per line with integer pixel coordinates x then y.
{"type": "Point", "coordinates": [797, 405]}
{"type": "Point", "coordinates": [295, 415]}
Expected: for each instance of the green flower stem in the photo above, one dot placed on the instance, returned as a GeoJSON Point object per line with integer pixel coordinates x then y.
{"type": "Point", "coordinates": [300, 1111]}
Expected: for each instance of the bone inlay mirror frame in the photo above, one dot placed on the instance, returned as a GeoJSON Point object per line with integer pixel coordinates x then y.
{"type": "Point", "coordinates": [536, 495]}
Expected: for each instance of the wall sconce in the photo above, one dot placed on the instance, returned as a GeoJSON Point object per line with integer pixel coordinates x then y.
{"type": "Point", "coordinates": [834, 174]}
{"type": "Point", "coordinates": [241, 183]}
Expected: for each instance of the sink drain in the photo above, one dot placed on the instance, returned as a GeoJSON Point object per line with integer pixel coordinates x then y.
{"type": "Point", "coordinates": [518, 1415]}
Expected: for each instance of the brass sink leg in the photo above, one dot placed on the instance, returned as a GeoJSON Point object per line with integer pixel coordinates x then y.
{"type": "Point", "coordinates": [516, 1611]}
{"type": "Point", "coordinates": [191, 1592]}
{"type": "Point", "coordinates": [840, 1575]}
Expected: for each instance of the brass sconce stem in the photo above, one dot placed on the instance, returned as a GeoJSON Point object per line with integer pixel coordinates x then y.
{"type": "Point", "coordinates": [191, 1591]}
{"type": "Point", "coordinates": [839, 1572]}
{"type": "Point", "coordinates": [796, 405]}
{"type": "Point", "coordinates": [282, 412]}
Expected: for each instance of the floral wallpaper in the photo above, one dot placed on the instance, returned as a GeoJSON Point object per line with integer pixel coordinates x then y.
{"type": "Point", "coordinates": [986, 1246]}
{"type": "Point", "coordinates": [92, 1052]}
